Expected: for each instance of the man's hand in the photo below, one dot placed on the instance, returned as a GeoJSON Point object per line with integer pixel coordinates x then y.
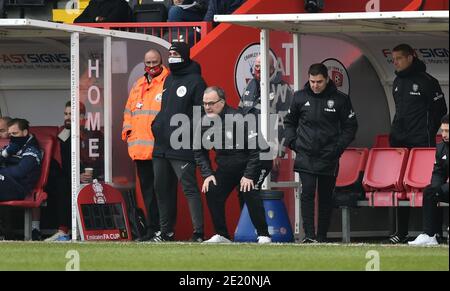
{"type": "Point", "coordinates": [247, 185]}
{"type": "Point", "coordinates": [85, 178]}
{"type": "Point", "coordinates": [205, 187]}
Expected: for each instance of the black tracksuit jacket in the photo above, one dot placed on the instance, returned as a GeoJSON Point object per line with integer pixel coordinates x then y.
{"type": "Point", "coordinates": [231, 157]}
{"type": "Point", "coordinates": [183, 89]}
{"type": "Point", "coordinates": [419, 104]}
{"type": "Point", "coordinates": [318, 128]}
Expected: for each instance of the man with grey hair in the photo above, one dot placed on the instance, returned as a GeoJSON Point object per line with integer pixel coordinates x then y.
{"type": "Point", "coordinates": [238, 163]}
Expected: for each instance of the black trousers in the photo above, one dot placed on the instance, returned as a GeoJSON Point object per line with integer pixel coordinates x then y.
{"type": "Point", "coordinates": [432, 214]}
{"type": "Point", "coordinates": [146, 179]}
{"type": "Point", "coordinates": [218, 194]}
{"type": "Point", "coordinates": [167, 173]}
{"type": "Point", "coordinates": [325, 187]}
{"type": "Point", "coordinates": [10, 189]}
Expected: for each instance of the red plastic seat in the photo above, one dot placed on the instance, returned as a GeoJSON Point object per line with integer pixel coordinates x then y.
{"type": "Point", "coordinates": [418, 174]}
{"type": "Point", "coordinates": [383, 176]}
{"type": "Point", "coordinates": [41, 132]}
{"type": "Point", "coordinates": [351, 164]}
{"type": "Point", "coordinates": [38, 196]}
{"type": "Point", "coordinates": [382, 141]}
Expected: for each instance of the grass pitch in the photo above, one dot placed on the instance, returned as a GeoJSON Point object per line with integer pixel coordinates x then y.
{"type": "Point", "coordinates": [230, 257]}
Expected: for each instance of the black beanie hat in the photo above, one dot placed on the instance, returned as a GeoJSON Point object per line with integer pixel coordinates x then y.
{"type": "Point", "coordinates": [183, 49]}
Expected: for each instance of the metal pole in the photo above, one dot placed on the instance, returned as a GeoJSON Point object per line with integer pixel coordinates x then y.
{"type": "Point", "coordinates": [107, 108]}
{"type": "Point", "coordinates": [75, 125]}
{"type": "Point", "coordinates": [265, 84]}
{"type": "Point", "coordinates": [297, 87]}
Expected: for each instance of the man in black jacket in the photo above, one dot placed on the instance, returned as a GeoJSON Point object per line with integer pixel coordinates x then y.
{"type": "Point", "coordinates": [21, 162]}
{"type": "Point", "coordinates": [172, 154]}
{"type": "Point", "coordinates": [320, 125]}
{"type": "Point", "coordinates": [105, 11]}
{"type": "Point", "coordinates": [280, 98]}
{"type": "Point", "coordinates": [436, 192]}
{"type": "Point", "coordinates": [238, 163]}
{"type": "Point", "coordinates": [419, 105]}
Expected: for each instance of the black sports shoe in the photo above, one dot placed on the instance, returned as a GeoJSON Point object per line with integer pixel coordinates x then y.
{"type": "Point", "coordinates": [36, 235]}
{"type": "Point", "coordinates": [308, 240]}
{"type": "Point", "coordinates": [197, 237]}
{"type": "Point", "coordinates": [163, 237]}
{"type": "Point", "coordinates": [148, 236]}
{"type": "Point", "coordinates": [398, 239]}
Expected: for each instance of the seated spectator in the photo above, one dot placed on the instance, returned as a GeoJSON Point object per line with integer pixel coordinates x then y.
{"type": "Point", "coordinates": [59, 180]}
{"type": "Point", "coordinates": [436, 192]}
{"type": "Point", "coordinates": [21, 168]}
{"type": "Point", "coordinates": [221, 7]}
{"type": "Point", "coordinates": [187, 10]}
{"type": "Point", "coordinates": [313, 6]}
{"type": "Point", "coordinates": [4, 126]}
{"type": "Point", "coordinates": [105, 11]}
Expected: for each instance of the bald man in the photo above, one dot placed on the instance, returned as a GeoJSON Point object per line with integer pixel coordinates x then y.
{"type": "Point", "coordinates": [143, 105]}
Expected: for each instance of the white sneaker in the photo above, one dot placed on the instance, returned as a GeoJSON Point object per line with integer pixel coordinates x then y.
{"type": "Point", "coordinates": [264, 240]}
{"type": "Point", "coordinates": [57, 236]}
{"type": "Point", "coordinates": [424, 240]}
{"type": "Point", "coordinates": [217, 239]}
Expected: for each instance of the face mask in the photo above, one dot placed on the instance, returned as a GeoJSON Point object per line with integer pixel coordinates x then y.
{"type": "Point", "coordinates": [175, 60]}
{"type": "Point", "coordinates": [18, 140]}
{"type": "Point", "coordinates": [154, 71]}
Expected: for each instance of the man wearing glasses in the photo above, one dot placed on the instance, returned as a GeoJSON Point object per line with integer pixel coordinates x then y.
{"type": "Point", "coordinates": [238, 163]}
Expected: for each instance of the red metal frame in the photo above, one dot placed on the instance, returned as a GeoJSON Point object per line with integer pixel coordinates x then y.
{"type": "Point", "coordinates": [158, 28]}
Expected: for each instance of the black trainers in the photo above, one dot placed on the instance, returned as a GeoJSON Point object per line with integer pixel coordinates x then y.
{"type": "Point", "coordinates": [36, 235]}
{"type": "Point", "coordinates": [398, 239]}
{"type": "Point", "coordinates": [148, 236]}
{"type": "Point", "coordinates": [163, 237]}
{"type": "Point", "coordinates": [197, 238]}
{"type": "Point", "coordinates": [308, 240]}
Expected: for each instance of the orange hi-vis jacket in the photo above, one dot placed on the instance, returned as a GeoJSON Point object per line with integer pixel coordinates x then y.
{"type": "Point", "coordinates": [143, 105]}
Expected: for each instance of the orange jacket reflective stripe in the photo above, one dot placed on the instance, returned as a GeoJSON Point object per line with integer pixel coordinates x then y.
{"type": "Point", "coordinates": [143, 104]}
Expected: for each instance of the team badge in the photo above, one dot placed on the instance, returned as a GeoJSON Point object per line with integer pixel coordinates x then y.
{"type": "Point", "coordinates": [330, 103]}
{"type": "Point", "coordinates": [158, 97]}
{"type": "Point", "coordinates": [415, 87]}
{"type": "Point", "coordinates": [181, 91]}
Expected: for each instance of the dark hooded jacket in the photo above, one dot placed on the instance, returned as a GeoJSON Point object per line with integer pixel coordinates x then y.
{"type": "Point", "coordinates": [221, 7]}
{"type": "Point", "coordinates": [24, 166]}
{"type": "Point", "coordinates": [183, 89]}
{"type": "Point", "coordinates": [419, 104]}
{"type": "Point", "coordinates": [439, 179]}
{"type": "Point", "coordinates": [318, 128]}
{"type": "Point", "coordinates": [110, 10]}
{"type": "Point", "coordinates": [280, 98]}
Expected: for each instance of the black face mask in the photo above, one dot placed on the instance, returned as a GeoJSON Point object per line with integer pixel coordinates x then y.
{"type": "Point", "coordinates": [19, 140]}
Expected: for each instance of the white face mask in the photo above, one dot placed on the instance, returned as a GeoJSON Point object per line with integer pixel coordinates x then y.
{"type": "Point", "coordinates": [175, 60]}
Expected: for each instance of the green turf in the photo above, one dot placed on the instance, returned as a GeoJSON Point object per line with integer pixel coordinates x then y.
{"type": "Point", "coordinates": [184, 256]}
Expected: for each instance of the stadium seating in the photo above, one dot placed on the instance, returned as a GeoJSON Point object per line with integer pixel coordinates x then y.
{"type": "Point", "coordinates": [351, 164]}
{"type": "Point", "coordinates": [348, 184]}
{"type": "Point", "coordinates": [38, 196]}
{"type": "Point", "coordinates": [383, 177]}
{"type": "Point", "coordinates": [418, 174]}
{"type": "Point", "coordinates": [382, 140]}
{"type": "Point", "coordinates": [41, 132]}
